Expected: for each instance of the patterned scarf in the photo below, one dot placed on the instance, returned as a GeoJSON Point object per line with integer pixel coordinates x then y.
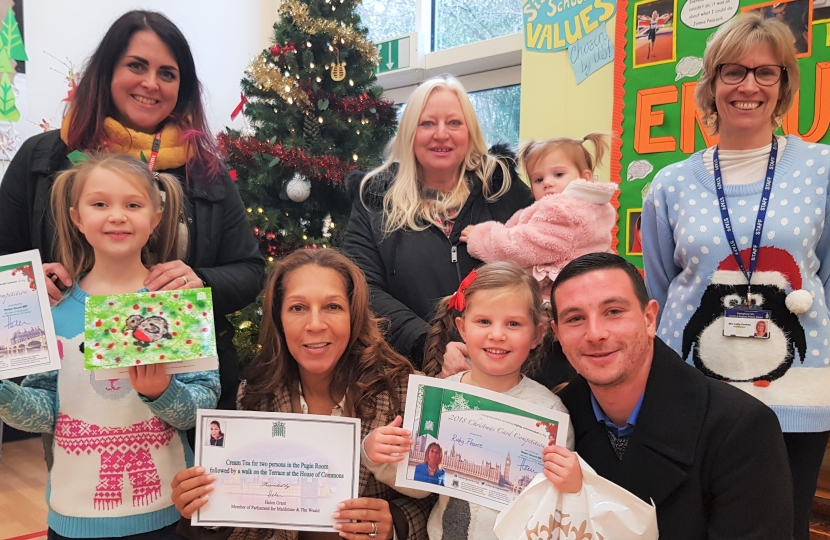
{"type": "Point", "coordinates": [173, 152]}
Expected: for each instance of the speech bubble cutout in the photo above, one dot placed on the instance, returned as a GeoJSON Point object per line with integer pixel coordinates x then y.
{"type": "Point", "coordinates": [639, 169]}
{"type": "Point", "coordinates": [702, 14]}
{"type": "Point", "coordinates": [688, 66]}
{"type": "Point", "coordinates": [644, 191]}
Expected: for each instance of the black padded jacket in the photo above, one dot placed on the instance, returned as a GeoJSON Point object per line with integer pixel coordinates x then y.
{"type": "Point", "coordinates": [410, 271]}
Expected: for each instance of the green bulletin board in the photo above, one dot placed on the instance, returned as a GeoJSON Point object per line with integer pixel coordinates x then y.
{"type": "Point", "coordinates": [656, 122]}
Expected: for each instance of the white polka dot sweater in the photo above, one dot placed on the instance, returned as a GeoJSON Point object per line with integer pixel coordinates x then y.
{"type": "Point", "coordinates": [691, 272]}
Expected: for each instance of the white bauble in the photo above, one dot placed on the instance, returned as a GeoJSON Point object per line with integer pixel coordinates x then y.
{"type": "Point", "coordinates": [298, 189]}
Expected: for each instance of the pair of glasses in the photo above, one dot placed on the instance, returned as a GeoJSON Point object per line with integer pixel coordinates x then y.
{"type": "Point", "coordinates": [764, 75]}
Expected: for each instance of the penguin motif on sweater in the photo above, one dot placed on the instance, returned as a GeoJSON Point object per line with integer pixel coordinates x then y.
{"type": "Point", "coordinates": [759, 361]}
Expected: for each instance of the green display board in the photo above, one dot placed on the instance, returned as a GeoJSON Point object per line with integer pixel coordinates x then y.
{"type": "Point", "coordinates": [656, 122]}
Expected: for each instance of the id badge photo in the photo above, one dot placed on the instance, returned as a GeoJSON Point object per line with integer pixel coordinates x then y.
{"type": "Point", "coordinates": [746, 323]}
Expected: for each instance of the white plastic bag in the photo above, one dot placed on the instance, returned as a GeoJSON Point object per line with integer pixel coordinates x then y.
{"type": "Point", "coordinates": [602, 510]}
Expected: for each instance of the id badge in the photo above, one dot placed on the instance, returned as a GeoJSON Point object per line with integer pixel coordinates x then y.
{"type": "Point", "coordinates": [746, 323]}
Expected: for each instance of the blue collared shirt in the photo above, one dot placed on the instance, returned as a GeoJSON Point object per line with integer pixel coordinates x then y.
{"type": "Point", "coordinates": [624, 431]}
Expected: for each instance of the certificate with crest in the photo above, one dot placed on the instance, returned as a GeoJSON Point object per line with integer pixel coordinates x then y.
{"type": "Point", "coordinates": [276, 470]}
{"type": "Point", "coordinates": [475, 444]}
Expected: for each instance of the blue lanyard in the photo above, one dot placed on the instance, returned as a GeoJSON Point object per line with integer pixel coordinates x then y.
{"type": "Point", "coordinates": [759, 221]}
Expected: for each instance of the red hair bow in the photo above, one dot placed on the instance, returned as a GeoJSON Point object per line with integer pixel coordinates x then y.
{"type": "Point", "coordinates": [458, 302]}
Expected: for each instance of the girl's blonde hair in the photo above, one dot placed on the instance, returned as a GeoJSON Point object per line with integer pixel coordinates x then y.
{"type": "Point", "coordinates": [403, 205]}
{"type": "Point", "coordinates": [730, 43]}
{"type": "Point", "coordinates": [72, 249]}
{"type": "Point", "coordinates": [574, 149]}
{"type": "Point", "coordinates": [508, 279]}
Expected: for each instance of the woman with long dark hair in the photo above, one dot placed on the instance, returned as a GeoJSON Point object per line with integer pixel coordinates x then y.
{"type": "Point", "coordinates": [322, 353]}
{"type": "Point", "coordinates": [139, 94]}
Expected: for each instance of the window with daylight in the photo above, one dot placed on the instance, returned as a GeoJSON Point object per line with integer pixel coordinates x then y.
{"type": "Point", "coordinates": [497, 110]}
{"type": "Point", "coordinates": [460, 22]}
{"type": "Point", "coordinates": [387, 18]}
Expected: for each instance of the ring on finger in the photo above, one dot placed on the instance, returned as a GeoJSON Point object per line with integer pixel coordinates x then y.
{"type": "Point", "coordinates": [184, 279]}
{"type": "Point", "coordinates": [374, 532]}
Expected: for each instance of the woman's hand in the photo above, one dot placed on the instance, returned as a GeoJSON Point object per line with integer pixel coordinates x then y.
{"type": "Point", "coordinates": [190, 490]}
{"type": "Point", "coordinates": [172, 275]}
{"type": "Point", "coordinates": [455, 359]}
{"type": "Point", "coordinates": [368, 511]}
{"type": "Point", "coordinates": [388, 444]}
{"type": "Point", "coordinates": [57, 280]}
{"type": "Point", "coordinates": [562, 468]}
{"type": "Point", "coordinates": [150, 380]}
{"type": "Point", "coordinates": [465, 234]}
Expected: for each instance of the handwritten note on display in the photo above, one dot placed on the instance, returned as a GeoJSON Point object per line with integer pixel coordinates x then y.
{"type": "Point", "coordinates": [576, 25]}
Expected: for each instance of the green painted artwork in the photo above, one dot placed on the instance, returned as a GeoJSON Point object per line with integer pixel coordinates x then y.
{"type": "Point", "coordinates": [8, 110]}
{"type": "Point", "coordinates": [148, 328]}
{"type": "Point", "coordinates": [11, 39]}
{"type": "Point", "coordinates": [5, 61]}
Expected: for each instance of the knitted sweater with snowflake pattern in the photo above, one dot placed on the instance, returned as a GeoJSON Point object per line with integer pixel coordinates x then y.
{"type": "Point", "coordinates": [684, 244]}
{"type": "Point", "coordinates": [116, 452]}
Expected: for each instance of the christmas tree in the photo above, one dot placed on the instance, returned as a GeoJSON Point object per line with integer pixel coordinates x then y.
{"type": "Point", "coordinates": [314, 113]}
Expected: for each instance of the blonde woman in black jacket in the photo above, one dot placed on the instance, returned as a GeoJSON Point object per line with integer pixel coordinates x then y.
{"type": "Point", "coordinates": [408, 214]}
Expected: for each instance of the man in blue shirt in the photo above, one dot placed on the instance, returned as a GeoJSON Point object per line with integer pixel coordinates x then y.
{"type": "Point", "coordinates": [710, 457]}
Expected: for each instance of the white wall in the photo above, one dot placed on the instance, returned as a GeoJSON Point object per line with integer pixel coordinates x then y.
{"type": "Point", "coordinates": [224, 36]}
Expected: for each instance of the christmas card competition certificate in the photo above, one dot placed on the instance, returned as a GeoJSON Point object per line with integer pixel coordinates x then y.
{"type": "Point", "coordinates": [174, 328]}
{"type": "Point", "coordinates": [276, 470]}
{"type": "Point", "coordinates": [475, 444]}
{"type": "Point", "coordinates": [27, 335]}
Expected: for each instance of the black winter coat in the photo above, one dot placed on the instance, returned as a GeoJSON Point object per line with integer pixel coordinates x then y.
{"type": "Point", "coordinates": [410, 271]}
{"type": "Point", "coordinates": [710, 456]}
{"type": "Point", "coordinates": [222, 249]}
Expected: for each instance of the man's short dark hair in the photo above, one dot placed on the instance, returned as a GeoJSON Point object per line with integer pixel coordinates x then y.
{"type": "Point", "coordinates": [600, 261]}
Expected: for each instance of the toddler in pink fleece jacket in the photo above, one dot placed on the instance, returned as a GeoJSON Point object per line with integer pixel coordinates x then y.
{"type": "Point", "coordinates": [572, 214]}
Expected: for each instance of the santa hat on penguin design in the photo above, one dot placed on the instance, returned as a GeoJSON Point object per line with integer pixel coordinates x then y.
{"type": "Point", "coordinates": [775, 267]}
{"type": "Point", "coordinates": [776, 288]}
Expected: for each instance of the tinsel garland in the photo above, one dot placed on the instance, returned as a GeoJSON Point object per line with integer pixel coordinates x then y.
{"type": "Point", "coordinates": [340, 33]}
{"type": "Point", "coordinates": [319, 168]}
{"type": "Point", "coordinates": [354, 106]}
{"type": "Point", "coordinates": [268, 77]}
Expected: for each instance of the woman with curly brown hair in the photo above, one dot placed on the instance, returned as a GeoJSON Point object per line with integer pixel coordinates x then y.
{"type": "Point", "coordinates": [322, 353]}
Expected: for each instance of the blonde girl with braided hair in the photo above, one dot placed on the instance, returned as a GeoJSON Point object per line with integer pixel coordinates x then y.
{"type": "Point", "coordinates": [110, 214]}
{"type": "Point", "coordinates": [497, 311]}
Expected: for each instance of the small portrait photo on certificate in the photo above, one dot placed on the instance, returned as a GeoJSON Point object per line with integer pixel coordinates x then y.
{"type": "Point", "coordinates": [430, 470]}
{"type": "Point", "coordinates": [216, 428]}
